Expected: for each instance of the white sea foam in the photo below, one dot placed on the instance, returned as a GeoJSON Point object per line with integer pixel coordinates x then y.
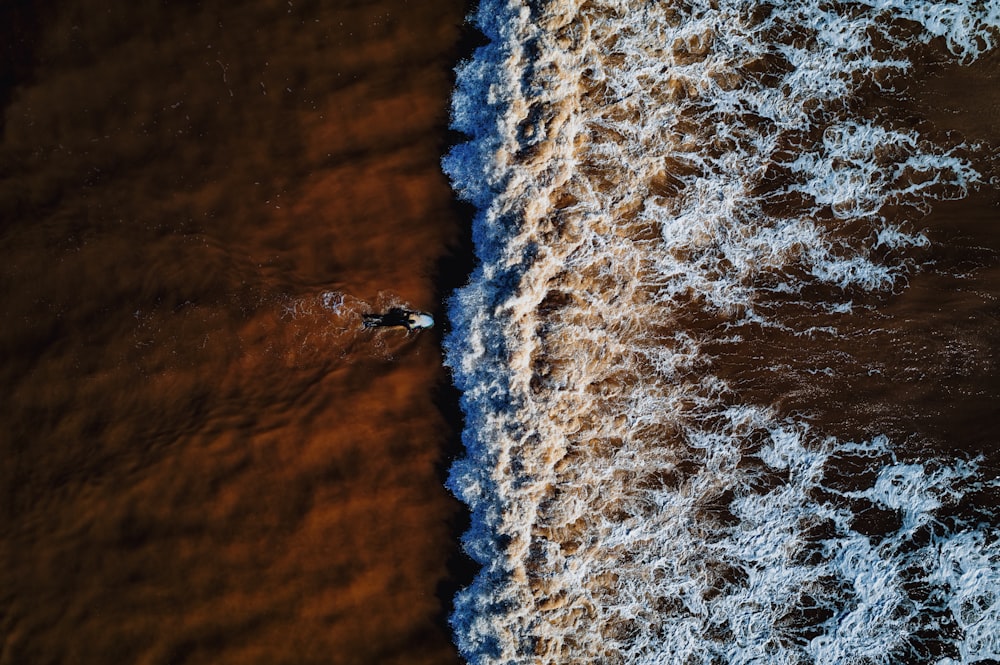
{"type": "Point", "coordinates": [640, 167]}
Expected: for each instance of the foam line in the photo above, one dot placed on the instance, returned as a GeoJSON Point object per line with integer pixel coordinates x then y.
{"type": "Point", "coordinates": [639, 166]}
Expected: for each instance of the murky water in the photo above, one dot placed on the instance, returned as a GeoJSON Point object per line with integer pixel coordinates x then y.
{"type": "Point", "coordinates": [205, 459]}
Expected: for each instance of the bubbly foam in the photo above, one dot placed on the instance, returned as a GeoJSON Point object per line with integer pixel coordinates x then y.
{"type": "Point", "coordinates": [651, 177]}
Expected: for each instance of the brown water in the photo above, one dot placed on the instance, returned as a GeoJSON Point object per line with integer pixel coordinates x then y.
{"type": "Point", "coordinates": [202, 462]}
{"type": "Point", "coordinates": [921, 363]}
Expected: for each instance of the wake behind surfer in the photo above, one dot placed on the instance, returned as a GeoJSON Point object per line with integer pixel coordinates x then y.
{"type": "Point", "coordinates": [397, 317]}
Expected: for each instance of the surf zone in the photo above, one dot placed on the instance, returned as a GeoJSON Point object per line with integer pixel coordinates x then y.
{"type": "Point", "coordinates": [662, 191]}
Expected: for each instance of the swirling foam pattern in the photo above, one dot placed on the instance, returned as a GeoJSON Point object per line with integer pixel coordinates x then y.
{"type": "Point", "coordinates": [652, 177]}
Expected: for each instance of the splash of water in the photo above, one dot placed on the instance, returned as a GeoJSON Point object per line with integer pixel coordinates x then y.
{"type": "Point", "coordinates": [640, 169]}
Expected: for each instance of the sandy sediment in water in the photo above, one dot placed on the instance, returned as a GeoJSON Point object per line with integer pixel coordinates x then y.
{"type": "Point", "coordinates": [202, 461]}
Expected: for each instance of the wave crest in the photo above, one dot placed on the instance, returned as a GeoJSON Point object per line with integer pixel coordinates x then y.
{"type": "Point", "coordinates": [650, 178]}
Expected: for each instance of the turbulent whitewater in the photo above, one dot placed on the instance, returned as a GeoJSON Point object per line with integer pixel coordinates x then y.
{"type": "Point", "coordinates": [658, 184]}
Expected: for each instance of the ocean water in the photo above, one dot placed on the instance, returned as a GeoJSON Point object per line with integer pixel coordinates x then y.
{"type": "Point", "coordinates": [204, 457]}
{"type": "Point", "coordinates": [728, 355]}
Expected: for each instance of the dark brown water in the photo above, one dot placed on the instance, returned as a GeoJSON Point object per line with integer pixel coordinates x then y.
{"type": "Point", "coordinates": [203, 461]}
{"type": "Point", "coordinates": [920, 363]}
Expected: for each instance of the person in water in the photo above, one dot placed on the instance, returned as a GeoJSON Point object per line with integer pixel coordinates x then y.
{"type": "Point", "coordinates": [397, 317]}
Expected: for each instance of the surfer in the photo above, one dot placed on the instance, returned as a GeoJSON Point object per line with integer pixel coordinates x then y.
{"type": "Point", "coordinates": [397, 317]}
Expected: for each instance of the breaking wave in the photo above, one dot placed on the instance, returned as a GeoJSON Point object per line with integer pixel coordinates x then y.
{"type": "Point", "coordinates": [653, 179]}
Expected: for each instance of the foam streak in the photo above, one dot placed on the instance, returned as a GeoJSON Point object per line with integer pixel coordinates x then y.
{"type": "Point", "coordinates": [652, 178]}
